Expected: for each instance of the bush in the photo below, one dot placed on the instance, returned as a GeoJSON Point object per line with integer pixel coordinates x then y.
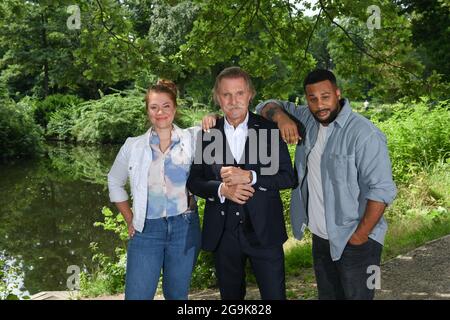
{"type": "Point", "coordinates": [110, 119]}
{"type": "Point", "coordinates": [61, 123]}
{"type": "Point", "coordinates": [44, 109]}
{"type": "Point", "coordinates": [420, 212]}
{"type": "Point", "coordinates": [376, 111]}
{"type": "Point", "coordinates": [204, 271]}
{"type": "Point", "coordinates": [109, 275]}
{"type": "Point", "coordinates": [191, 114]}
{"type": "Point", "coordinates": [417, 137]}
{"type": "Point", "coordinates": [113, 118]}
{"type": "Point", "coordinates": [19, 135]}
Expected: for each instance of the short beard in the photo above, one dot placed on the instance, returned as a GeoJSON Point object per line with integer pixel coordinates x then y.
{"type": "Point", "coordinates": [332, 117]}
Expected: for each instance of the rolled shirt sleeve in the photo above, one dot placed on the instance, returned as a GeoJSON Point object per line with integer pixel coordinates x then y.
{"type": "Point", "coordinates": [375, 170]}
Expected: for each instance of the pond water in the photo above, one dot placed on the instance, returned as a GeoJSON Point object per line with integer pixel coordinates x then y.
{"type": "Point", "coordinates": [48, 207]}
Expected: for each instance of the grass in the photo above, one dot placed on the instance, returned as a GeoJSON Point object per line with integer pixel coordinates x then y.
{"type": "Point", "coordinates": [419, 214]}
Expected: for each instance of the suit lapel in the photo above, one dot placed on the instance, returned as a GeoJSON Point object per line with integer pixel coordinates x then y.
{"type": "Point", "coordinates": [220, 159]}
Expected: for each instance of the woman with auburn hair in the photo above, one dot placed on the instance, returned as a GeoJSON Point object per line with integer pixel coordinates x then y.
{"type": "Point", "coordinates": [163, 225]}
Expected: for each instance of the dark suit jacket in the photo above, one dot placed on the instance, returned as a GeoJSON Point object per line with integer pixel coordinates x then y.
{"type": "Point", "coordinates": [264, 209]}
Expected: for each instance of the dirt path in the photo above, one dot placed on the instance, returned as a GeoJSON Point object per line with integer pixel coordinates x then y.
{"type": "Point", "coordinates": [423, 273]}
{"type": "Point", "coordinates": [302, 286]}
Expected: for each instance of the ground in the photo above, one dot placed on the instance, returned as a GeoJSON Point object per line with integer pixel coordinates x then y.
{"type": "Point", "coordinates": [423, 273]}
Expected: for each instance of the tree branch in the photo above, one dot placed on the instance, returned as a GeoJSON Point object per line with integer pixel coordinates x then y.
{"type": "Point", "coordinates": [269, 32]}
{"type": "Point", "coordinates": [312, 32]}
{"type": "Point", "coordinates": [361, 48]}
{"type": "Point", "coordinates": [110, 30]}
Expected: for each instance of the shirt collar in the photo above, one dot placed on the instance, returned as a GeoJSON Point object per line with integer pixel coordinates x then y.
{"type": "Point", "coordinates": [154, 138]}
{"type": "Point", "coordinates": [345, 112]}
{"type": "Point", "coordinates": [242, 125]}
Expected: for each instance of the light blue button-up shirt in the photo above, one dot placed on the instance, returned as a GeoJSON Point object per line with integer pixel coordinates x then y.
{"type": "Point", "coordinates": [167, 177]}
{"type": "Point", "coordinates": [355, 167]}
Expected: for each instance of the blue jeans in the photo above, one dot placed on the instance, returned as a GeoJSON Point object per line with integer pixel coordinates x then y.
{"type": "Point", "coordinates": [171, 244]}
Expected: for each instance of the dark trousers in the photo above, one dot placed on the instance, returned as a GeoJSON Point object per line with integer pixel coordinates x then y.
{"type": "Point", "coordinates": [267, 263]}
{"type": "Point", "coordinates": [348, 277]}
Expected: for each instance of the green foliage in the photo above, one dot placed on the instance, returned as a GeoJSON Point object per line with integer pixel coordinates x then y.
{"type": "Point", "coordinates": [108, 278]}
{"type": "Point", "coordinates": [109, 275]}
{"type": "Point", "coordinates": [112, 118]}
{"type": "Point", "coordinates": [421, 211]}
{"type": "Point", "coordinates": [190, 115]}
{"type": "Point", "coordinates": [41, 55]}
{"type": "Point", "coordinates": [43, 110]}
{"type": "Point", "coordinates": [82, 163]}
{"type": "Point", "coordinates": [170, 24]}
{"type": "Point", "coordinates": [61, 123]}
{"type": "Point", "coordinates": [375, 112]}
{"type": "Point", "coordinates": [417, 137]}
{"type": "Point", "coordinates": [430, 24]}
{"type": "Point", "coordinates": [267, 38]}
{"type": "Point", "coordinates": [19, 135]}
{"type": "Point", "coordinates": [36, 44]}
{"type": "Point", "coordinates": [115, 223]}
{"type": "Point", "coordinates": [124, 42]}
{"type": "Point", "coordinates": [299, 256]}
{"type": "Point", "coordinates": [115, 117]}
{"type": "Point", "coordinates": [109, 49]}
{"type": "Point", "coordinates": [204, 274]}
{"type": "Point", "coordinates": [378, 63]}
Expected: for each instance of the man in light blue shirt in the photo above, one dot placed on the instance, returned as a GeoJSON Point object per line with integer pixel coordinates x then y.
{"type": "Point", "coordinates": [345, 183]}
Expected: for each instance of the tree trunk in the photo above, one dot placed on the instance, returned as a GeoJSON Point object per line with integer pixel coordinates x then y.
{"type": "Point", "coordinates": [46, 81]}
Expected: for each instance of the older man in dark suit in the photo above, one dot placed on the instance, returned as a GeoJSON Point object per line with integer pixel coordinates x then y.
{"type": "Point", "coordinates": [243, 216]}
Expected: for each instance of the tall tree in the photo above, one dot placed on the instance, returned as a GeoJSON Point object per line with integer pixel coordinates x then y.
{"type": "Point", "coordinates": [36, 48]}
{"type": "Point", "coordinates": [265, 37]}
{"type": "Point", "coordinates": [430, 27]}
{"type": "Point", "coordinates": [171, 22]}
{"type": "Point", "coordinates": [42, 55]}
{"type": "Point", "coordinates": [278, 44]}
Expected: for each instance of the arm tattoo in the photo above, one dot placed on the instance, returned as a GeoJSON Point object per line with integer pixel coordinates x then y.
{"type": "Point", "coordinates": [272, 110]}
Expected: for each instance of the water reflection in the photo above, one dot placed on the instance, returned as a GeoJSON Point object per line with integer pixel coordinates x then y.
{"type": "Point", "coordinates": [12, 278]}
{"type": "Point", "coordinates": [48, 208]}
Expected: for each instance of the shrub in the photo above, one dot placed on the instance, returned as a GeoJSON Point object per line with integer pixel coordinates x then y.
{"type": "Point", "coordinates": [19, 135]}
{"type": "Point", "coordinates": [115, 117]}
{"type": "Point", "coordinates": [44, 109]}
{"type": "Point", "coordinates": [112, 118]}
{"type": "Point", "coordinates": [61, 123]}
{"type": "Point", "coordinates": [11, 279]}
{"type": "Point", "coordinates": [191, 114]}
{"type": "Point", "coordinates": [417, 137]}
{"type": "Point", "coordinates": [109, 275]}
